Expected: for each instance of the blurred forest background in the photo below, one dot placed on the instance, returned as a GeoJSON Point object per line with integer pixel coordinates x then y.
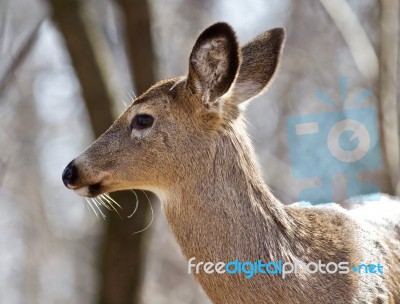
{"type": "Point", "coordinates": [69, 67]}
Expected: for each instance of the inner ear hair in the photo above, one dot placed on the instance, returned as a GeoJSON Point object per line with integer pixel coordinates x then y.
{"type": "Point", "coordinates": [214, 62]}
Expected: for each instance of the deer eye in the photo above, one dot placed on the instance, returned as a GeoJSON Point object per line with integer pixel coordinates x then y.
{"type": "Point", "coordinates": [142, 121]}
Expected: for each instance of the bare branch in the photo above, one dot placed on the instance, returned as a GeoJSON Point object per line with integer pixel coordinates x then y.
{"type": "Point", "coordinates": [353, 33]}
{"type": "Point", "coordinates": [20, 57]}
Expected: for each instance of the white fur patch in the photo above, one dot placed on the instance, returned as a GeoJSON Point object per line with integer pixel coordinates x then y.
{"type": "Point", "coordinates": [83, 191]}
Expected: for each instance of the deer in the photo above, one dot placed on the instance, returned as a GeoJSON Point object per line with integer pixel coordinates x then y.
{"type": "Point", "coordinates": [185, 140]}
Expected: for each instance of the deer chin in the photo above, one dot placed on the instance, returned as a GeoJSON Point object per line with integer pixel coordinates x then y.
{"type": "Point", "coordinates": [90, 190]}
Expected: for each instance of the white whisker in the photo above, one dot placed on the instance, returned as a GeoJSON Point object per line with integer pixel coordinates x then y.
{"type": "Point", "coordinates": [132, 93]}
{"type": "Point", "coordinates": [101, 202]}
{"type": "Point", "coordinates": [128, 98]}
{"type": "Point", "coordinates": [152, 215]}
{"type": "Point", "coordinates": [108, 204]}
{"type": "Point", "coordinates": [137, 204]}
{"type": "Point", "coordinates": [87, 205]}
{"type": "Point", "coordinates": [98, 208]}
{"type": "Point", "coordinates": [131, 96]}
{"type": "Point", "coordinates": [107, 196]}
{"type": "Point", "coordinates": [97, 216]}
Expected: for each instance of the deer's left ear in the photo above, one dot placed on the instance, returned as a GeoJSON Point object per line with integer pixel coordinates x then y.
{"type": "Point", "coordinates": [214, 62]}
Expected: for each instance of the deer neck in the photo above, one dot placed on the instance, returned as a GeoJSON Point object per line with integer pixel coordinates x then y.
{"type": "Point", "coordinates": [225, 211]}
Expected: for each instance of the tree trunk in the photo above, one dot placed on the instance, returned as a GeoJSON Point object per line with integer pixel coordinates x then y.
{"type": "Point", "coordinates": [139, 43]}
{"type": "Point", "coordinates": [388, 89]}
{"type": "Point", "coordinates": [122, 253]}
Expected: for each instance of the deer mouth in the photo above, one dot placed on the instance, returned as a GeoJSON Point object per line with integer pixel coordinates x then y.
{"type": "Point", "coordinates": [89, 191]}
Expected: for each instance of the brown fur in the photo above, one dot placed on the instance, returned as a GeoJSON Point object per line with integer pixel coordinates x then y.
{"type": "Point", "coordinates": [197, 157]}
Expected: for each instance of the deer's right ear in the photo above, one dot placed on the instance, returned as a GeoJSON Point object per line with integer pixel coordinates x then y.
{"type": "Point", "coordinates": [260, 59]}
{"type": "Point", "coordinates": [213, 63]}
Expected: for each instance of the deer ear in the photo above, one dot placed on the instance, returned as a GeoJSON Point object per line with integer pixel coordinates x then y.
{"type": "Point", "coordinates": [260, 58]}
{"type": "Point", "coordinates": [213, 63]}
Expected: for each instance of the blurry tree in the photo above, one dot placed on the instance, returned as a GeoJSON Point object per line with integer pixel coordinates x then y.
{"type": "Point", "coordinates": [20, 57]}
{"type": "Point", "coordinates": [122, 253]}
{"type": "Point", "coordinates": [388, 89]}
{"type": "Point", "coordinates": [137, 20]}
{"type": "Point", "coordinates": [27, 126]}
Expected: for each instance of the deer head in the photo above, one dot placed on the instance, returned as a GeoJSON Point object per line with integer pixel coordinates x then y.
{"type": "Point", "coordinates": [166, 134]}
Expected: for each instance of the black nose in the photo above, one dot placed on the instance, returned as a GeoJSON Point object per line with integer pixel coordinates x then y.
{"type": "Point", "coordinates": [69, 174]}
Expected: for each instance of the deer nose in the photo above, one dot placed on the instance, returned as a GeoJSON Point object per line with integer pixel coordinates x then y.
{"type": "Point", "coordinates": [69, 174]}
